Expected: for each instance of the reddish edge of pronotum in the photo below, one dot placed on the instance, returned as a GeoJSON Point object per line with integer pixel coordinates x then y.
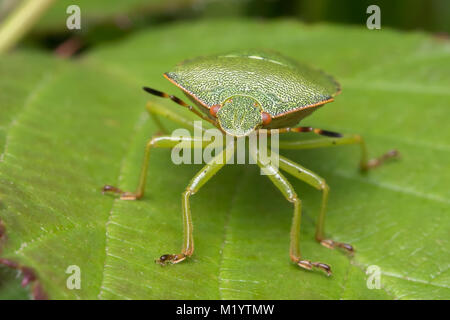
{"type": "Point", "coordinates": [28, 275]}
{"type": "Point", "coordinates": [186, 91]}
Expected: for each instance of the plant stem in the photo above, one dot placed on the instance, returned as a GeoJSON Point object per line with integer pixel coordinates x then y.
{"type": "Point", "coordinates": [20, 21]}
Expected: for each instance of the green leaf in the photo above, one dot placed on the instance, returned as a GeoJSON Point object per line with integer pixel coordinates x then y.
{"type": "Point", "coordinates": [97, 11]}
{"type": "Point", "coordinates": [84, 125]}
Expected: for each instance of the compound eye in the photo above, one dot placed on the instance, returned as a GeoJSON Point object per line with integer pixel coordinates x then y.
{"type": "Point", "coordinates": [214, 109]}
{"type": "Point", "coordinates": [266, 118]}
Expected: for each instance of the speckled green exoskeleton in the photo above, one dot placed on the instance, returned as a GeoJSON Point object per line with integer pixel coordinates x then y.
{"type": "Point", "coordinates": [245, 92]}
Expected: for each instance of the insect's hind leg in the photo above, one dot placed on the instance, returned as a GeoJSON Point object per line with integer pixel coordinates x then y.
{"type": "Point", "coordinates": [319, 183]}
{"type": "Point", "coordinates": [365, 163]}
{"type": "Point", "coordinates": [289, 193]}
{"type": "Point", "coordinates": [205, 174]}
{"type": "Point", "coordinates": [155, 142]}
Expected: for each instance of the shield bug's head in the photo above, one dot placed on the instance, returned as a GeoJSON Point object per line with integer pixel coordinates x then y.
{"type": "Point", "coordinates": [239, 115]}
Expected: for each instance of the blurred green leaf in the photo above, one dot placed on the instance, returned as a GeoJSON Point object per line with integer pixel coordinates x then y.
{"type": "Point", "coordinates": [84, 125]}
{"type": "Point", "coordinates": [98, 11]}
{"type": "Point", "coordinates": [10, 288]}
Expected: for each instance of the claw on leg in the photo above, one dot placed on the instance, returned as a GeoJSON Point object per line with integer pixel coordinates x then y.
{"type": "Point", "coordinates": [373, 163]}
{"type": "Point", "coordinates": [108, 188]}
{"type": "Point", "coordinates": [306, 264]}
{"type": "Point", "coordinates": [330, 244]}
{"type": "Point", "coordinates": [170, 258]}
{"type": "Point", "coordinates": [123, 195]}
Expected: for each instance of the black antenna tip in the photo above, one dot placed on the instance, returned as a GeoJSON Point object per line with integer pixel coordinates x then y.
{"type": "Point", "coordinates": [330, 134]}
{"type": "Point", "coordinates": [154, 92]}
{"type": "Point", "coordinates": [149, 90]}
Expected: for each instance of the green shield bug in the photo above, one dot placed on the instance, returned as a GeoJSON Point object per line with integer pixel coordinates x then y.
{"type": "Point", "coordinates": [241, 93]}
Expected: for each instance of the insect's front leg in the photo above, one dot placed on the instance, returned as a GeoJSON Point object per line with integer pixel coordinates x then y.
{"type": "Point", "coordinates": [319, 183]}
{"type": "Point", "coordinates": [206, 173]}
{"type": "Point", "coordinates": [155, 142]}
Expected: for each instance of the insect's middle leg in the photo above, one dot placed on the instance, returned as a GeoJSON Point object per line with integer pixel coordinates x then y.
{"type": "Point", "coordinates": [365, 163]}
{"type": "Point", "coordinates": [156, 142]}
{"type": "Point", "coordinates": [206, 173]}
{"type": "Point", "coordinates": [289, 193]}
{"type": "Point", "coordinates": [319, 183]}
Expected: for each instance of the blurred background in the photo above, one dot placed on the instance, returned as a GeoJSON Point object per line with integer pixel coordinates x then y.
{"type": "Point", "coordinates": [107, 20]}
